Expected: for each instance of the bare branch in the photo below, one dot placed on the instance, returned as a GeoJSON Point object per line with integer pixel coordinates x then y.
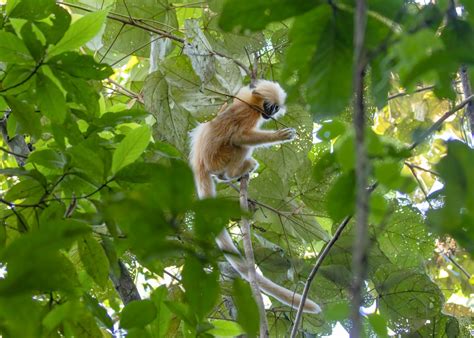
{"type": "Point", "coordinates": [361, 240]}
{"type": "Point", "coordinates": [313, 272]}
{"type": "Point", "coordinates": [419, 90]}
{"type": "Point", "coordinates": [440, 121]}
{"type": "Point", "coordinates": [459, 266]}
{"type": "Point", "coordinates": [127, 92]}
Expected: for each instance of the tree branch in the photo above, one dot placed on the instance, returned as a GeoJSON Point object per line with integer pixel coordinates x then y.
{"type": "Point", "coordinates": [249, 256]}
{"type": "Point", "coordinates": [17, 144]}
{"type": "Point", "coordinates": [459, 266]}
{"type": "Point", "coordinates": [127, 92]}
{"type": "Point", "coordinates": [467, 92]}
{"type": "Point", "coordinates": [136, 23]}
{"type": "Point", "coordinates": [419, 90]}
{"type": "Point", "coordinates": [313, 272]}
{"type": "Point", "coordinates": [124, 284]}
{"type": "Point", "coordinates": [439, 122]}
{"type": "Point", "coordinates": [33, 72]}
{"type": "Point", "coordinates": [361, 240]}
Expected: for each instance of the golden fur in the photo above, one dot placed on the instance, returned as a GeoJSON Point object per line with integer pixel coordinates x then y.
{"type": "Point", "coordinates": [223, 148]}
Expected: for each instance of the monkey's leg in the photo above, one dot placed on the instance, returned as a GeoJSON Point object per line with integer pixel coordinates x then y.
{"type": "Point", "coordinates": [246, 167]}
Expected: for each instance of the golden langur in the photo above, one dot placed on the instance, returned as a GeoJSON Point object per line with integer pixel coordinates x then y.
{"type": "Point", "coordinates": [223, 148]}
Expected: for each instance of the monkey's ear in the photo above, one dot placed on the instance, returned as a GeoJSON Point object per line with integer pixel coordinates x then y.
{"type": "Point", "coordinates": [257, 93]}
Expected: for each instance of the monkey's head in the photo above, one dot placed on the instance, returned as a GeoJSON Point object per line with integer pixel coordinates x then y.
{"type": "Point", "coordinates": [270, 97]}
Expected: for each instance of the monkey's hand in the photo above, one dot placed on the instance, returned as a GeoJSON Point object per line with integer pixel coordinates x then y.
{"type": "Point", "coordinates": [286, 134]}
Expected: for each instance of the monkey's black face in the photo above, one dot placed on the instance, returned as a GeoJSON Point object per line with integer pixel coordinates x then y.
{"type": "Point", "coordinates": [269, 109]}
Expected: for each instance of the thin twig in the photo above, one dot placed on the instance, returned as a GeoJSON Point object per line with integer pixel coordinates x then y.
{"type": "Point", "coordinates": [127, 92]}
{"type": "Point", "coordinates": [419, 90]}
{"type": "Point", "coordinates": [459, 266]}
{"type": "Point", "coordinates": [440, 121]}
{"type": "Point", "coordinates": [26, 79]}
{"type": "Point", "coordinates": [12, 153]}
{"type": "Point", "coordinates": [313, 272]}
{"type": "Point", "coordinates": [412, 165]}
{"type": "Point", "coordinates": [136, 23]}
{"type": "Point", "coordinates": [250, 258]}
{"type": "Point", "coordinates": [420, 184]}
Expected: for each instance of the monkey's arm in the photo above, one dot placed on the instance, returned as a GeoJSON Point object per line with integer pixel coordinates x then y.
{"type": "Point", "coordinates": [255, 138]}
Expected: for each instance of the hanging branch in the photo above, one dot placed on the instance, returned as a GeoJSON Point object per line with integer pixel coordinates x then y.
{"type": "Point", "coordinates": [361, 240]}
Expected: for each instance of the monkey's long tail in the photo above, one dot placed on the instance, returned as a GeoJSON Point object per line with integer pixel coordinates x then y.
{"type": "Point", "coordinates": [288, 297]}
{"type": "Point", "coordinates": [206, 188]}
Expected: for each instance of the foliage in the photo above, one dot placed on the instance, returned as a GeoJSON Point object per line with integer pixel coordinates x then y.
{"type": "Point", "coordinates": [98, 100]}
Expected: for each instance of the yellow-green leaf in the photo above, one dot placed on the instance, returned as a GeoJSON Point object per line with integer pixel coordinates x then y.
{"type": "Point", "coordinates": [131, 147]}
{"type": "Point", "coordinates": [79, 33]}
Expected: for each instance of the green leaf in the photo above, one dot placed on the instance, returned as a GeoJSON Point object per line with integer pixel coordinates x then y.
{"type": "Point", "coordinates": [387, 171]}
{"type": "Point", "coordinates": [197, 48]}
{"type": "Point", "coordinates": [202, 287]}
{"type": "Point", "coordinates": [225, 328]}
{"type": "Point", "coordinates": [112, 119]}
{"type": "Point", "coordinates": [164, 317]}
{"type": "Point", "coordinates": [47, 158]}
{"type": "Point", "coordinates": [162, 13]}
{"type": "Point", "coordinates": [18, 79]}
{"type": "Point", "coordinates": [407, 296]}
{"type": "Point", "coordinates": [12, 49]}
{"type": "Point", "coordinates": [304, 34]}
{"type": "Point", "coordinates": [247, 310]}
{"type": "Point", "coordinates": [51, 270]}
{"type": "Point", "coordinates": [341, 197]}
{"type": "Point", "coordinates": [212, 215]}
{"type": "Point", "coordinates": [337, 311]}
{"type": "Point", "coordinates": [406, 240]}
{"type": "Point", "coordinates": [469, 6]}
{"type": "Point", "coordinates": [94, 259]}
{"type": "Point", "coordinates": [80, 32]}
{"type": "Point", "coordinates": [255, 15]}
{"type": "Point", "coordinates": [30, 33]}
{"type": "Point", "coordinates": [28, 189]}
{"type": "Point", "coordinates": [331, 130]}
{"type": "Point", "coordinates": [98, 310]}
{"type": "Point", "coordinates": [137, 313]}
{"type": "Point", "coordinates": [130, 148]}
{"type": "Point", "coordinates": [329, 84]}
{"type": "Point", "coordinates": [51, 100]}
{"type": "Point", "coordinates": [457, 212]}
{"type": "Point", "coordinates": [83, 66]}
{"type": "Point", "coordinates": [88, 158]}
{"type": "Point", "coordinates": [379, 325]}
{"type": "Point", "coordinates": [80, 90]}
{"type": "Point", "coordinates": [173, 121]}
{"type": "Point", "coordinates": [345, 152]}
{"type": "Point", "coordinates": [58, 25]}
{"type": "Point", "coordinates": [33, 9]}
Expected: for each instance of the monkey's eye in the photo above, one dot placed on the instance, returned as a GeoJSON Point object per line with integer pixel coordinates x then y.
{"type": "Point", "coordinates": [270, 108]}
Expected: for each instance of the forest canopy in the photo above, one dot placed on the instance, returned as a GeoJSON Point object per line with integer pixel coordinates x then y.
{"type": "Point", "coordinates": [370, 209]}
